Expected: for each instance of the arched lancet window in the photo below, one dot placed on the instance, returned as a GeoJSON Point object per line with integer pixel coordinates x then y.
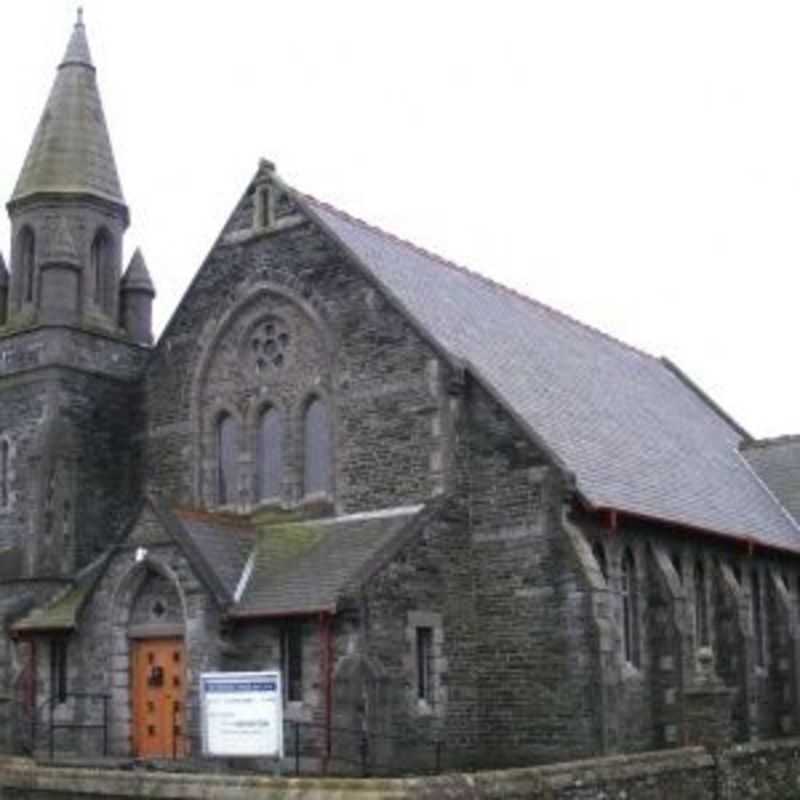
{"type": "Point", "coordinates": [269, 454]}
{"type": "Point", "coordinates": [27, 263]}
{"type": "Point", "coordinates": [630, 608]}
{"type": "Point", "coordinates": [317, 448]}
{"type": "Point", "coordinates": [700, 605]}
{"type": "Point", "coordinates": [227, 456]}
{"type": "Point", "coordinates": [5, 477]}
{"type": "Point", "coordinates": [600, 556]}
{"type": "Point", "coordinates": [100, 264]}
{"type": "Point", "coordinates": [758, 623]}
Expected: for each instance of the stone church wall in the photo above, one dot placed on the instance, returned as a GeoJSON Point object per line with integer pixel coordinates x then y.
{"type": "Point", "coordinates": [385, 384]}
{"type": "Point", "coordinates": [100, 660]}
{"type": "Point", "coordinates": [512, 647]}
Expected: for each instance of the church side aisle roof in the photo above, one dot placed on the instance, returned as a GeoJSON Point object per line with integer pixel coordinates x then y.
{"type": "Point", "coordinates": [71, 148]}
{"type": "Point", "coordinates": [638, 437]}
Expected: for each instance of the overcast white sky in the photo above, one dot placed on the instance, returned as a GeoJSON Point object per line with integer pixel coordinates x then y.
{"type": "Point", "coordinates": [635, 164]}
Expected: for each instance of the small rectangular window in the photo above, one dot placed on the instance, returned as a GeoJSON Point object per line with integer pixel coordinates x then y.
{"type": "Point", "coordinates": [292, 658]}
{"type": "Point", "coordinates": [425, 664]}
{"type": "Point", "coordinates": [58, 670]}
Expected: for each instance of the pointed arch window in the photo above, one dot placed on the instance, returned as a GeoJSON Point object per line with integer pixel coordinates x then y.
{"type": "Point", "coordinates": [630, 610]}
{"type": "Point", "coordinates": [758, 622]}
{"type": "Point", "coordinates": [5, 475]}
{"type": "Point", "coordinates": [100, 260]}
{"type": "Point", "coordinates": [317, 448]}
{"type": "Point", "coordinates": [269, 454]}
{"type": "Point", "coordinates": [600, 556]}
{"type": "Point", "coordinates": [227, 435]}
{"type": "Point", "coordinates": [700, 606]}
{"type": "Point", "coordinates": [27, 261]}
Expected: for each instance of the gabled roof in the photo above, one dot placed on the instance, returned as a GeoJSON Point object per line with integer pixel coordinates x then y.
{"type": "Point", "coordinates": [309, 567]}
{"type": "Point", "coordinates": [224, 544]}
{"type": "Point", "coordinates": [71, 149]}
{"type": "Point", "coordinates": [635, 433]}
{"type": "Point", "coordinates": [777, 464]}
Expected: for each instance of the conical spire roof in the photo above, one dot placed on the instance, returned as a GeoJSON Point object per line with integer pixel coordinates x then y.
{"type": "Point", "coordinates": [71, 149]}
{"type": "Point", "coordinates": [137, 275]}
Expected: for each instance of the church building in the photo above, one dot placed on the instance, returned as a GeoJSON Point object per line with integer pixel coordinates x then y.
{"type": "Point", "coordinates": [455, 519]}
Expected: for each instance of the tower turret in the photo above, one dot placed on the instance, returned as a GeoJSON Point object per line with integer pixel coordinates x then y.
{"type": "Point", "coordinates": [69, 187]}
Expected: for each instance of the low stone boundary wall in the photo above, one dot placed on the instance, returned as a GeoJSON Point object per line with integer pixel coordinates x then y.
{"type": "Point", "coordinates": [765, 770]}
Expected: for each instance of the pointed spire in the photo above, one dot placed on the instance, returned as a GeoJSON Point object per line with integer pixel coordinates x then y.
{"type": "Point", "coordinates": [78, 47]}
{"type": "Point", "coordinates": [3, 273]}
{"type": "Point", "coordinates": [62, 247]}
{"type": "Point", "coordinates": [71, 150]}
{"type": "Point", "coordinates": [137, 276]}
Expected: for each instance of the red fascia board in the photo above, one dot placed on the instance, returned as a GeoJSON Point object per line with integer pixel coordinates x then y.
{"type": "Point", "coordinates": [749, 542]}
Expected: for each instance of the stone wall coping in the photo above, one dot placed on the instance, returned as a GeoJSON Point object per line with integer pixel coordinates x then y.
{"type": "Point", "coordinates": [20, 773]}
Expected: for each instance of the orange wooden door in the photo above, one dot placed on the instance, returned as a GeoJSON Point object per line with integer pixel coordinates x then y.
{"type": "Point", "coordinates": [158, 698]}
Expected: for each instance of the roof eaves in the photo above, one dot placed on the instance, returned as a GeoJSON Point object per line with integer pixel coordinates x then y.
{"type": "Point", "coordinates": [749, 540]}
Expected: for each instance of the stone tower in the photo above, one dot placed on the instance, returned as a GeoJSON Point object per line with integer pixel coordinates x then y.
{"type": "Point", "coordinates": [73, 341]}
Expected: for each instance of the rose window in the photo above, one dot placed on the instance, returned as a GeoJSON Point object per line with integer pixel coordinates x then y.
{"type": "Point", "coordinates": [269, 344]}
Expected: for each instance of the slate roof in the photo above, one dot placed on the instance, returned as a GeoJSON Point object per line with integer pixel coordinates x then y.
{"type": "Point", "coordinates": [223, 543]}
{"type": "Point", "coordinates": [62, 611]}
{"type": "Point", "coordinates": [637, 436]}
{"type": "Point", "coordinates": [306, 567]}
{"type": "Point", "coordinates": [71, 149]}
{"type": "Point", "coordinates": [777, 464]}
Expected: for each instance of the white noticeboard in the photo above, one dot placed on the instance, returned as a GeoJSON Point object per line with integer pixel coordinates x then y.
{"type": "Point", "coordinates": [242, 714]}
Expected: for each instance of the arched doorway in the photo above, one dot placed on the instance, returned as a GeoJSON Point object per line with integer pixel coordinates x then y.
{"type": "Point", "coordinates": [150, 617]}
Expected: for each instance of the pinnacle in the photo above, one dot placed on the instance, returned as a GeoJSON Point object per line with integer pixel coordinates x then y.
{"type": "Point", "coordinates": [137, 275]}
{"type": "Point", "coordinates": [78, 47]}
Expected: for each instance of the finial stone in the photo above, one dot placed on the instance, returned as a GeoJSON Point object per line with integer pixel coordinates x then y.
{"type": "Point", "coordinates": [80, 16]}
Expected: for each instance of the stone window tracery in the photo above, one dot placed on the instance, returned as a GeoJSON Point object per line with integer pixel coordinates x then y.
{"type": "Point", "coordinates": [317, 448]}
{"type": "Point", "coordinates": [599, 553]}
{"type": "Point", "coordinates": [227, 458]}
{"type": "Point", "coordinates": [27, 261]}
{"type": "Point", "coordinates": [630, 610]}
{"type": "Point", "coordinates": [268, 345]}
{"type": "Point", "coordinates": [700, 606]}
{"type": "Point", "coordinates": [269, 454]}
{"type": "Point", "coordinates": [100, 258]}
{"type": "Point", "coordinates": [758, 622]}
{"type": "Point", "coordinates": [5, 474]}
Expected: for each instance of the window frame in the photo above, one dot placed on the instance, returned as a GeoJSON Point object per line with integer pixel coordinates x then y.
{"type": "Point", "coordinates": [317, 451]}
{"type": "Point", "coordinates": [59, 669]}
{"type": "Point", "coordinates": [629, 591]}
{"type": "Point", "coordinates": [292, 660]}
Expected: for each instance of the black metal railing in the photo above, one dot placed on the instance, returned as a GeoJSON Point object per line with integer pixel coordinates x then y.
{"type": "Point", "coordinates": [54, 725]}
{"type": "Point", "coordinates": [312, 748]}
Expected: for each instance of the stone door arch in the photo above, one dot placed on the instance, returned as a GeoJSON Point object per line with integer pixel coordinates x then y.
{"type": "Point", "coordinates": [149, 606]}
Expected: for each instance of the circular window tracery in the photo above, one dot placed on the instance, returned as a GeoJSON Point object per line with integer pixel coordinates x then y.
{"type": "Point", "coordinates": [268, 344]}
